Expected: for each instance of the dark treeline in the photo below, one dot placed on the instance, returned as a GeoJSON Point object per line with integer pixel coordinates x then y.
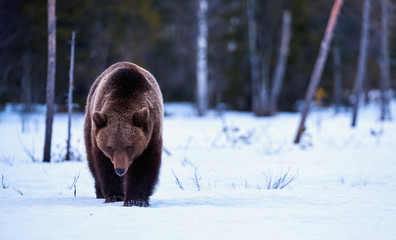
{"type": "Point", "coordinates": [161, 37]}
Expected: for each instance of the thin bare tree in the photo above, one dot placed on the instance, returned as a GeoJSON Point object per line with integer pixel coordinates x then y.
{"type": "Point", "coordinates": [361, 71]}
{"type": "Point", "coordinates": [26, 87]}
{"type": "Point", "coordinates": [253, 57]}
{"type": "Point", "coordinates": [202, 59]}
{"type": "Point", "coordinates": [281, 64]}
{"type": "Point", "coordinates": [337, 92]}
{"type": "Point", "coordinates": [70, 97]}
{"type": "Point", "coordinates": [319, 65]}
{"type": "Point", "coordinates": [264, 98]}
{"type": "Point", "coordinates": [50, 79]}
{"type": "Point", "coordinates": [385, 62]}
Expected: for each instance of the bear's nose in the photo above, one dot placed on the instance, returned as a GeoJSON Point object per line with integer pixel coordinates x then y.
{"type": "Point", "coordinates": [120, 171]}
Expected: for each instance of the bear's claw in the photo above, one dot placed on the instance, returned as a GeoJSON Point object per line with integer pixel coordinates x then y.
{"type": "Point", "coordinates": [137, 202]}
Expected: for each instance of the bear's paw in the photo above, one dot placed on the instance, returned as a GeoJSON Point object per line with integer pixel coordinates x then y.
{"type": "Point", "coordinates": [137, 201]}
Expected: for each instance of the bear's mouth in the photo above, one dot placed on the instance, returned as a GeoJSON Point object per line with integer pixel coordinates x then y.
{"type": "Point", "coordinates": [120, 171]}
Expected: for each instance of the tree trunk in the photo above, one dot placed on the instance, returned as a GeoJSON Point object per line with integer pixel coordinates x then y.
{"type": "Point", "coordinates": [70, 97]}
{"type": "Point", "coordinates": [263, 98]}
{"type": "Point", "coordinates": [50, 79]}
{"type": "Point", "coordinates": [254, 65]}
{"type": "Point", "coordinates": [282, 60]}
{"type": "Point", "coordinates": [318, 68]}
{"type": "Point", "coordinates": [361, 72]}
{"type": "Point", "coordinates": [202, 61]}
{"type": "Point", "coordinates": [385, 62]}
{"type": "Point", "coordinates": [337, 79]}
{"type": "Point", "coordinates": [26, 94]}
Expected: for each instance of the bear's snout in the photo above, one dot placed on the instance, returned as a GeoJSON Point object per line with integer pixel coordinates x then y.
{"type": "Point", "coordinates": [120, 171]}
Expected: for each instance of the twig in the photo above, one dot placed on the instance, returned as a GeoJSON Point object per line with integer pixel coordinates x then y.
{"type": "Point", "coordinates": [18, 191]}
{"type": "Point", "coordinates": [177, 181]}
{"type": "Point", "coordinates": [3, 184]}
{"type": "Point", "coordinates": [166, 151]}
{"type": "Point", "coordinates": [196, 179]}
{"type": "Point", "coordinates": [74, 184]}
{"type": "Point", "coordinates": [29, 153]}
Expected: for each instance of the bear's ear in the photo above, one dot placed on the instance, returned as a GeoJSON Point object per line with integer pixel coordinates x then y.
{"type": "Point", "coordinates": [141, 117]}
{"type": "Point", "coordinates": [100, 120]}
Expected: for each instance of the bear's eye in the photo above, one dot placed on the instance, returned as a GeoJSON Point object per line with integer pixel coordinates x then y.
{"type": "Point", "coordinates": [129, 148]}
{"type": "Point", "coordinates": [111, 149]}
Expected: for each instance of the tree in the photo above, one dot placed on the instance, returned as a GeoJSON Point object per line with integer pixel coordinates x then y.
{"type": "Point", "coordinates": [70, 96]}
{"type": "Point", "coordinates": [319, 65]}
{"type": "Point", "coordinates": [202, 60]}
{"type": "Point", "coordinates": [337, 91]}
{"type": "Point", "coordinates": [253, 58]}
{"type": "Point", "coordinates": [26, 85]}
{"type": "Point", "coordinates": [361, 71]}
{"type": "Point", "coordinates": [265, 98]}
{"type": "Point", "coordinates": [385, 62]}
{"type": "Point", "coordinates": [162, 37]}
{"type": "Point", "coordinates": [50, 79]}
{"type": "Point", "coordinates": [281, 65]}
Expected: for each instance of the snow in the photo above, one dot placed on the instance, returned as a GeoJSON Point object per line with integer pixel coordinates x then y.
{"type": "Point", "coordinates": [345, 186]}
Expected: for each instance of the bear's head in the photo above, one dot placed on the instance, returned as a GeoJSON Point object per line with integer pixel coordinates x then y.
{"type": "Point", "coordinates": [122, 139]}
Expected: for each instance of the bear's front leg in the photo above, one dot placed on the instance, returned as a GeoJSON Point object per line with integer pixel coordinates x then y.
{"type": "Point", "coordinates": [135, 189]}
{"type": "Point", "coordinates": [109, 182]}
{"type": "Point", "coordinates": [112, 187]}
{"type": "Point", "coordinates": [141, 179]}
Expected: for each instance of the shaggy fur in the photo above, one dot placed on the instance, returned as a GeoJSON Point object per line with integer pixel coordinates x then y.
{"type": "Point", "coordinates": [123, 134]}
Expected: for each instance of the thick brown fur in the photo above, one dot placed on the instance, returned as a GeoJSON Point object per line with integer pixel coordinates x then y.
{"type": "Point", "coordinates": [123, 131]}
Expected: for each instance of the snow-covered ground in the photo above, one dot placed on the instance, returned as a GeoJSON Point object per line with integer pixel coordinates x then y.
{"type": "Point", "coordinates": [344, 186]}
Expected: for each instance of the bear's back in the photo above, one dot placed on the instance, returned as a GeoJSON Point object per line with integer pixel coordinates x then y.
{"type": "Point", "coordinates": [125, 81]}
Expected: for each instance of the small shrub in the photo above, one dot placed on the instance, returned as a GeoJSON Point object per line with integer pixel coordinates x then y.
{"type": "Point", "coordinates": [233, 136]}
{"type": "Point", "coordinates": [60, 155]}
{"type": "Point", "coordinates": [3, 184]}
{"type": "Point", "coordinates": [30, 152]}
{"type": "Point", "coordinates": [281, 180]}
{"type": "Point", "coordinates": [8, 160]}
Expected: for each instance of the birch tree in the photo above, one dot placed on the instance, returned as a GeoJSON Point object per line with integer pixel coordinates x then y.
{"type": "Point", "coordinates": [253, 57]}
{"type": "Point", "coordinates": [70, 97]}
{"type": "Point", "coordinates": [264, 99]}
{"type": "Point", "coordinates": [361, 71]}
{"type": "Point", "coordinates": [50, 79]}
{"type": "Point", "coordinates": [202, 61]}
{"type": "Point", "coordinates": [281, 64]}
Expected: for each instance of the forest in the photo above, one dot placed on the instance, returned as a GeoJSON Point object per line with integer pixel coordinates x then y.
{"type": "Point", "coordinates": [162, 36]}
{"type": "Point", "coordinates": [235, 76]}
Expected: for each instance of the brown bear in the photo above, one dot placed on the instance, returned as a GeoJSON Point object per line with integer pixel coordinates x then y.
{"type": "Point", "coordinates": [123, 134]}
